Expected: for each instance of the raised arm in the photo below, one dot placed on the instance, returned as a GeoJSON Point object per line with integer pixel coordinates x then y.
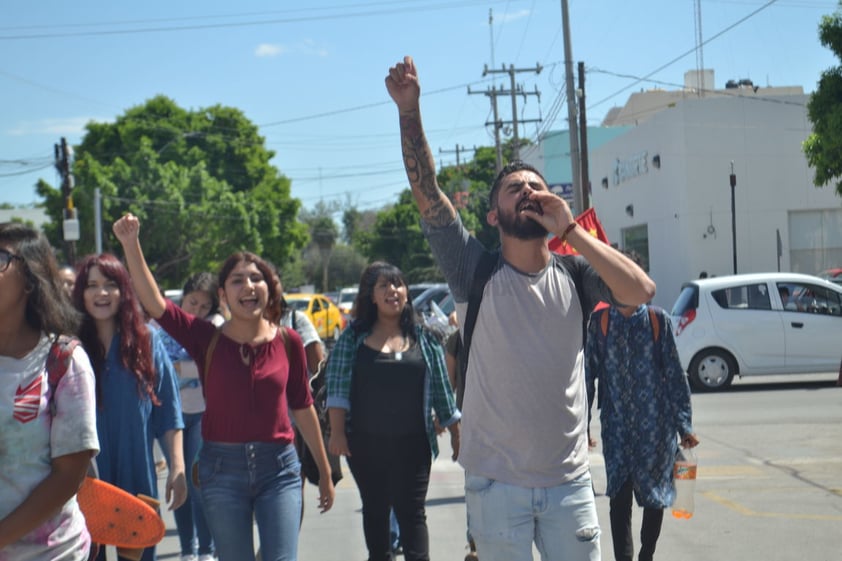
{"type": "Point", "coordinates": [127, 230]}
{"type": "Point", "coordinates": [404, 88]}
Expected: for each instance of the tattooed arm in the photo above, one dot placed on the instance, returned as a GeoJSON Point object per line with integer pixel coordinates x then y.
{"type": "Point", "coordinates": [434, 206]}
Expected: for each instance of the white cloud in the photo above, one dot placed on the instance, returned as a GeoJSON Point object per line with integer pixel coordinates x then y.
{"type": "Point", "coordinates": [64, 126]}
{"type": "Point", "coordinates": [269, 49]}
{"type": "Point", "coordinates": [506, 18]}
{"type": "Point", "coordinates": [307, 47]}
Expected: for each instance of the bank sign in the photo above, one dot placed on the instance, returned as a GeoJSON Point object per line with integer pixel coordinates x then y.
{"type": "Point", "coordinates": [630, 168]}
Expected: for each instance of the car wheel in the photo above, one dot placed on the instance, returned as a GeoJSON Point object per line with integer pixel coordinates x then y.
{"type": "Point", "coordinates": [712, 369]}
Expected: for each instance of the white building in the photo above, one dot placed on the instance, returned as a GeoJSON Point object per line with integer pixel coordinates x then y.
{"type": "Point", "coordinates": [35, 215]}
{"type": "Point", "coordinates": [662, 188]}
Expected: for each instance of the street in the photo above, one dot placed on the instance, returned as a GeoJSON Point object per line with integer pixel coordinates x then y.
{"type": "Point", "coordinates": [769, 485]}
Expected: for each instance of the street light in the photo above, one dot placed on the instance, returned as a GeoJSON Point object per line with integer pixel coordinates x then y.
{"type": "Point", "coordinates": [733, 181]}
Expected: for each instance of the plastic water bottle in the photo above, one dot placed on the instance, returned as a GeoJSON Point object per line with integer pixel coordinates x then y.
{"type": "Point", "coordinates": [684, 476]}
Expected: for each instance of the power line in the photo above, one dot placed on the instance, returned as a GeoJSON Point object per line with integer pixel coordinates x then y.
{"type": "Point", "coordinates": [366, 106]}
{"type": "Point", "coordinates": [726, 92]}
{"type": "Point", "coordinates": [228, 25]}
{"type": "Point", "coordinates": [686, 53]}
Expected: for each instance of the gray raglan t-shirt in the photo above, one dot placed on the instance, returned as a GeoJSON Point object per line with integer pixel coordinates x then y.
{"type": "Point", "coordinates": [525, 409]}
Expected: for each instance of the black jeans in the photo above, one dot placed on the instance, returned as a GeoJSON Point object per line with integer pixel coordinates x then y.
{"type": "Point", "coordinates": [621, 532]}
{"type": "Point", "coordinates": [392, 473]}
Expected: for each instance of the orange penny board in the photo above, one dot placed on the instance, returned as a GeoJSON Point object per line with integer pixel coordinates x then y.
{"type": "Point", "coordinates": [115, 517]}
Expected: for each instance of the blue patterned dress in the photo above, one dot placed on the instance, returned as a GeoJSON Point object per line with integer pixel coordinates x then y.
{"type": "Point", "coordinates": [645, 402]}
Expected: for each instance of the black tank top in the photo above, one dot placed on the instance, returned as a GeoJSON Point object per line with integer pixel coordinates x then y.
{"type": "Point", "coordinates": [387, 392]}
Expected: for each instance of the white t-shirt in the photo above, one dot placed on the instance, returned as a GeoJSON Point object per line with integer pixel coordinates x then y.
{"type": "Point", "coordinates": [30, 437]}
{"type": "Point", "coordinates": [303, 326]}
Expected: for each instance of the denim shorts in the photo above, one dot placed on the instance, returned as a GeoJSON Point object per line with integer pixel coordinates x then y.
{"type": "Point", "coordinates": [505, 519]}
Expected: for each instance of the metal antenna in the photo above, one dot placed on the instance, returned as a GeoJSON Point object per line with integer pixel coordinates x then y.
{"type": "Point", "coordinates": [700, 57]}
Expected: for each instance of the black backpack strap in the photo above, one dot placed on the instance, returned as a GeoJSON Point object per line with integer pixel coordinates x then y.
{"type": "Point", "coordinates": [575, 274]}
{"type": "Point", "coordinates": [487, 262]}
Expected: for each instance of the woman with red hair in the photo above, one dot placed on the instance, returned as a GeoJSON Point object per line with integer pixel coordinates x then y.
{"type": "Point", "coordinates": [137, 395]}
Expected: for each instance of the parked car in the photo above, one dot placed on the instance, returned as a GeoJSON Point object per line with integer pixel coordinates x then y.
{"type": "Point", "coordinates": [438, 293]}
{"type": "Point", "coordinates": [754, 324]}
{"type": "Point", "coordinates": [433, 307]}
{"type": "Point", "coordinates": [416, 289]}
{"type": "Point", "coordinates": [324, 314]}
{"type": "Point", "coordinates": [346, 299]}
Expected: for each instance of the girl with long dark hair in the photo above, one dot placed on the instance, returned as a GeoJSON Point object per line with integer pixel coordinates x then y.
{"type": "Point", "coordinates": [254, 375]}
{"type": "Point", "coordinates": [47, 434]}
{"type": "Point", "coordinates": [385, 377]}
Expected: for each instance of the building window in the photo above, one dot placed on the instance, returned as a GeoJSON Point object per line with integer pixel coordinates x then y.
{"type": "Point", "coordinates": [815, 240]}
{"type": "Point", "coordinates": [636, 244]}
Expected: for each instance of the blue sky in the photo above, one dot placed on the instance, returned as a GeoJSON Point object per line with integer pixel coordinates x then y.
{"type": "Point", "coordinates": [312, 77]}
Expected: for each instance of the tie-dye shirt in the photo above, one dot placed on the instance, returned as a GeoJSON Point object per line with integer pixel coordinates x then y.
{"type": "Point", "coordinates": [30, 437]}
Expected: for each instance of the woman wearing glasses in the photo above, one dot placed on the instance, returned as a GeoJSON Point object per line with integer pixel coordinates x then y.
{"type": "Point", "coordinates": [47, 435]}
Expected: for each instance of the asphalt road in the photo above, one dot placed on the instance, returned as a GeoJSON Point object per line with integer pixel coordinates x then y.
{"type": "Point", "coordinates": [769, 485]}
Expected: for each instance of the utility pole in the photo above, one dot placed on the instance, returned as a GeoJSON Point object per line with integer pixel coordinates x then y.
{"type": "Point", "coordinates": [733, 181]}
{"type": "Point", "coordinates": [583, 133]}
{"type": "Point", "coordinates": [460, 194]}
{"type": "Point", "coordinates": [498, 148]}
{"type": "Point", "coordinates": [571, 111]}
{"type": "Point", "coordinates": [514, 91]}
{"type": "Point", "coordinates": [457, 151]}
{"type": "Point", "coordinates": [70, 224]}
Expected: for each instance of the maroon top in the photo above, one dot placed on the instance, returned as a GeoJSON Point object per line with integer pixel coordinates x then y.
{"type": "Point", "coordinates": [249, 389]}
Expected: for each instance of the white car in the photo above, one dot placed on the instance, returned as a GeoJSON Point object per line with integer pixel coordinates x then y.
{"type": "Point", "coordinates": [346, 298]}
{"type": "Point", "coordinates": [754, 324]}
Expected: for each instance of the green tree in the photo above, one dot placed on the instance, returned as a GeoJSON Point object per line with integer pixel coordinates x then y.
{"type": "Point", "coordinates": [824, 146]}
{"type": "Point", "coordinates": [396, 237]}
{"type": "Point", "coordinates": [346, 266]}
{"type": "Point", "coordinates": [200, 181]}
{"type": "Point", "coordinates": [323, 233]}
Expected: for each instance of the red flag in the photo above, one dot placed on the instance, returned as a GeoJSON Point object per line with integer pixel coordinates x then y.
{"type": "Point", "coordinates": [590, 223]}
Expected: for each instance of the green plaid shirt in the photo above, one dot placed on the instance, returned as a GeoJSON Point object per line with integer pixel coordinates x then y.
{"type": "Point", "coordinates": [438, 395]}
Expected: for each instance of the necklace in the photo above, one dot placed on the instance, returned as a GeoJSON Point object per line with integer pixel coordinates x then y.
{"type": "Point", "coordinates": [396, 350]}
{"type": "Point", "coordinates": [245, 356]}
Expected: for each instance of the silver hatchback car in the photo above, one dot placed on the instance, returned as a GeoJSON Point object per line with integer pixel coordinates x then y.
{"type": "Point", "coordinates": [754, 324]}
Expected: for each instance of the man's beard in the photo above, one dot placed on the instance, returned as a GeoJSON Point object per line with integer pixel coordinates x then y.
{"type": "Point", "coordinates": [519, 226]}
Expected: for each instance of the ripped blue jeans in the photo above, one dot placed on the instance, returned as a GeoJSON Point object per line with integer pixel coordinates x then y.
{"type": "Point", "coordinates": [505, 520]}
